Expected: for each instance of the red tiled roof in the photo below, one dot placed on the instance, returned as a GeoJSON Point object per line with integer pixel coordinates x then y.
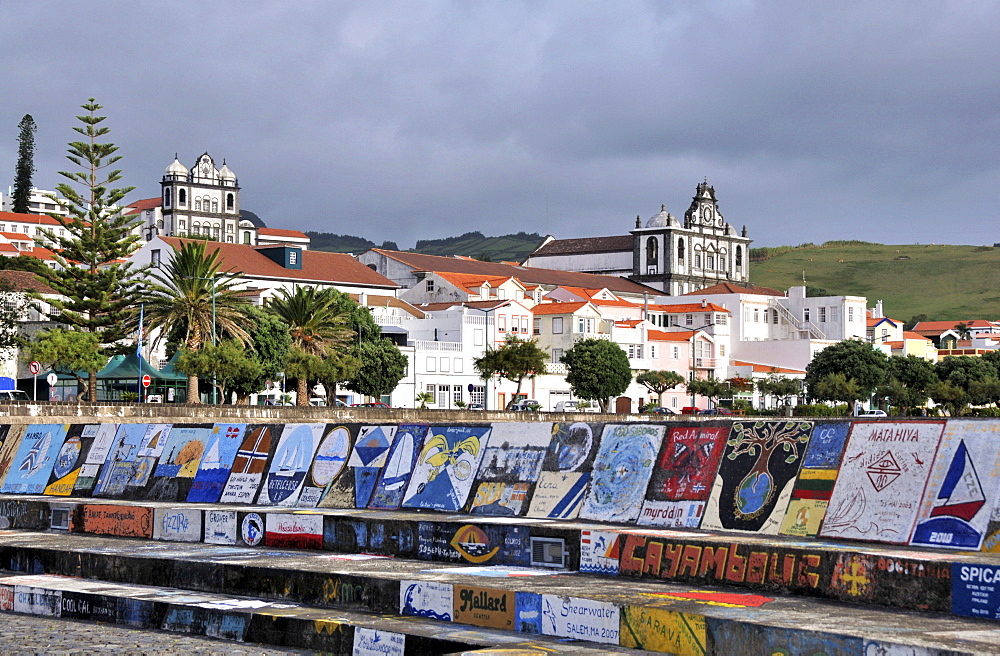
{"type": "Point", "coordinates": [585, 245]}
{"type": "Point", "coordinates": [479, 305]}
{"type": "Point", "coordinates": [278, 232]}
{"type": "Point", "coordinates": [558, 308]}
{"type": "Point", "coordinates": [20, 236]}
{"type": "Point", "coordinates": [144, 204]}
{"type": "Point", "coordinates": [469, 281]}
{"type": "Point", "coordinates": [8, 248]}
{"type": "Point", "coordinates": [664, 336]}
{"type": "Point", "coordinates": [909, 334]}
{"type": "Point", "coordinates": [25, 281]}
{"type": "Point", "coordinates": [730, 288]}
{"type": "Point", "coordinates": [437, 263]}
{"type": "Point", "coordinates": [35, 219]}
{"type": "Point", "coordinates": [876, 321]}
{"type": "Point", "coordinates": [766, 368]}
{"type": "Point", "coordinates": [935, 328]}
{"type": "Point", "coordinates": [376, 300]}
{"type": "Point", "coordinates": [629, 323]}
{"type": "Point", "coordinates": [317, 266]}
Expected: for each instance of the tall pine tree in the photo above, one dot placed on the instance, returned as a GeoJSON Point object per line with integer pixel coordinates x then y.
{"type": "Point", "coordinates": [101, 289]}
{"type": "Point", "coordinates": [25, 164]}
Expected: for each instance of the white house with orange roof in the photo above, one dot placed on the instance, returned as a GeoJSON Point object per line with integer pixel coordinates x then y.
{"type": "Point", "coordinates": [755, 371]}
{"type": "Point", "coordinates": [447, 287]}
{"type": "Point", "coordinates": [611, 305]}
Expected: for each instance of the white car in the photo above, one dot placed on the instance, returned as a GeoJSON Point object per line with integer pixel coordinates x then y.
{"type": "Point", "coordinates": [872, 413]}
{"type": "Point", "coordinates": [574, 406]}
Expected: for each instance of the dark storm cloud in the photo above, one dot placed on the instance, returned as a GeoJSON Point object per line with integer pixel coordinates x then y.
{"type": "Point", "coordinates": [402, 121]}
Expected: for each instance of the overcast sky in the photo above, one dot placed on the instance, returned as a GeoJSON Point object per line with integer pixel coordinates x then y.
{"type": "Point", "coordinates": [409, 120]}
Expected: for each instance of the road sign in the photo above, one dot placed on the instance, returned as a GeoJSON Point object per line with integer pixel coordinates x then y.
{"type": "Point", "coordinates": [34, 367]}
{"type": "Point", "coordinates": [52, 379]}
{"type": "Point", "coordinates": [145, 380]}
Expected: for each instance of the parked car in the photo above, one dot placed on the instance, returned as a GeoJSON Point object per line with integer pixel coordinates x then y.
{"type": "Point", "coordinates": [689, 410]}
{"type": "Point", "coordinates": [872, 413]}
{"type": "Point", "coordinates": [662, 411]}
{"type": "Point", "coordinates": [716, 411]}
{"type": "Point", "coordinates": [475, 406]}
{"type": "Point", "coordinates": [526, 405]}
{"type": "Point", "coordinates": [384, 406]}
{"type": "Point", "coordinates": [14, 395]}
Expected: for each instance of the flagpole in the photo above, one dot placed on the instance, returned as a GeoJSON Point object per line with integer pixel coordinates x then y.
{"type": "Point", "coordinates": [138, 352]}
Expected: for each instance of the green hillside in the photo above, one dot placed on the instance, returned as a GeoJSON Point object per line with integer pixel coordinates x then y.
{"type": "Point", "coordinates": [512, 248]}
{"type": "Point", "coordinates": [942, 282]}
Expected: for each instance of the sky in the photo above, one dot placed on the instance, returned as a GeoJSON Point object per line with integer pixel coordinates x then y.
{"type": "Point", "coordinates": [406, 120]}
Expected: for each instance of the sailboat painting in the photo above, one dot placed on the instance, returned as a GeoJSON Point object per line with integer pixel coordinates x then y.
{"type": "Point", "coordinates": [353, 489]}
{"type": "Point", "coordinates": [66, 470]}
{"type": "Point", "coordinates": [182, 453]}
{"type": "Point", "coordinates": [400, 461]}
{"type": "Point", "coordinates": [962, 487]}
{"type": "Point", "coordinates": [882, 475]}
{"type": "Point", "coordinates": [120, 465]}
{"type": "Point", "coordinates": [250, 463]}
{"type": "Point", "coordinates": [328, 466]}
{"type": "Point", "coordinates": [290, 464]}
{"type": "Point", "coordinates": [213, 471]}
{"type": "Point", "coordinates": [103, 438]}
{"type": "Point", "coordinates": [31, 467]}
{"type": "Point", "coordinates": [150, 449]}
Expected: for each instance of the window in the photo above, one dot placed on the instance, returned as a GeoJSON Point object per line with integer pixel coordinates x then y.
{"type": "Point", "coordinates": [885, 335]}
{"type": "Point", "coordinates": [197, 204]}
{"type": "Point", "coordinates": [634, 351]}
{"type": "Point", "coordinates": [445, 364]}
{"type": "Point", "coordinates": [708, 318]}
{"type": "Point", "coordinates": [459, 366]}
{"type": "Point", "coordinates": [514, 326]}
{"type": "Point", "coordinates": [774, 317]}
{"type": "Point", "coordinates": [756, 315]}
{"type": "Point", "coordinates": [652, 350]}
{"type": "Point", "coordinates": [180, 224]}
{"type": "Point", "coordinates": [536, 326]}
{"type": "Point", "coordinates": [850, 314]}
{"type": "Point", "coordinates": [721, 319]}
{"type": "Point", "coordinates": [443, 391]}
{"type": "Point", "coordinates": [697, 260]}
{"type": "Point", "coordinates": [677, 352]}
{"type": "Point", "coordinates": [246, 237]}
{"type": "Point", "coordinates": [431, 363]}
{"type": "Point", "coordinates": [739, 256]}
{"type": "Point", "coordinates": [229, 228]}
{"type": "Point", "coordinates": [557, 355]}
{"type": "Point", "coordinates": [584, 325]}
{"type": "Point", "coordinates": [477, 337]}
{"type": "Point", "coordinates": [502, 323]}
{"type": "Point", "coordinates": [182, 196]}
{"type": "Point", "coordinates": [805, 314]}
{"type": "Point", "coordinates": [432, 390]}
{"type": "Point", "coordinates": [710, 261]}
{"type": "Point", "coordinates": [456, 394]}
{"type": "Point", "coordinates": [524, 324]}
{"type": "Point", "coordinates": [822, 315]}
{"type": "Point", "coordinates": [154, 257]}
{"type": "Point", "coordinates": [429, 285]}
{"type": "Point", "coordinates": [722, 350]}
{"type": "Point", "coordinates": [293, 256]}
{"type": "Point", "coordinates": [215, 204]}
{"type": "Point", "coordinates": [652, 251]}
{"type": "Point", "coordinates": [557, 325]}
{"type": "Point", "coordinates": [680, 251]}
{"type": "Point", "coordinates": [229, 201]}
{"type": "Point", "coordinates": [166, 198]}
{"type": "Point", "coordinates": [689, 319]}
{"type": "Point", "coordinates": [229, 239]}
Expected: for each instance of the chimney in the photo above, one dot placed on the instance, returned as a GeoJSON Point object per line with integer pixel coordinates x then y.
{"type": "Point", "coordinates": [704, 303]}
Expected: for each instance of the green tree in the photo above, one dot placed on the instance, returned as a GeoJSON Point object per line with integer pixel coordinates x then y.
{"type": "Point", "coordinates": [225, 363]}
{"type": "Point", "coordinates": [598, 370]}
{"type": "Point", "coordinates": [69, 352]}
{"type": "Point", "coordinates": [949, 396]}
{"type": "Point", "coordinates": [658, 382]}
{"type": "Point", "coordinates": [516, 360]}
{"type": "Point", "coordinates": [25, 164]}
{"type": "Point", "coordinates": [382, 367]}
{"type": "Point", "coordinates": [781, 388]}
{"type": "Point", "coordinates": [13, 304]}
{"type": "Point", "coordinates": [963, 370]}
{"type": "Point", "coordinates": [963, 331]}
{"type": "Point", "coordinates": [853, 359]}
{"type": "Point", "coordinates": [709, 388]}
{"type": "Point", "coordinates": [190, 294]}
{"type": "Point", "coordinates": [424, 398]}
{"type": "Point", "coordinates": [268, 348]}
{"type": "Point", "coordinates": [907, 381]}
{"type": "Point", "coordinates": [100, 288]}
{"type": "Point", "coordinates": [318, 324]}
{"type": "Point", "coordinates": [837, 387]}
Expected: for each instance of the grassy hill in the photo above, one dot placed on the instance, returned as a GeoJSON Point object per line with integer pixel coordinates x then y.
{"type": "Point", "coordinates": [472, 244]}
{"type": "Point", "coordinates": [942, 282]}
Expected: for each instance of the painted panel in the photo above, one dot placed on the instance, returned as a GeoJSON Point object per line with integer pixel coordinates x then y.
{"type": "Point", "coordinates": [37, 601]}
{"type": "Point", "coordinates": [66, 468]}
{"type": "Point", "coordinates": [496, 544]}
{"type": "Point", "coordinates": [486, 607]}
{"type": "Point", "coordinates": [428, 599]}
{"type": "Point", "coordinates": [683, 476]}
{"type": "Point", "coordinates": [400, 462]}
{"type": "Point", "coordinates": [881, 481]}
{"type": "Point", "coordinates": [621, 472]}
{"type": "Point", "coordinates": [10, 439]}
{"type": "Point", "coordinates": [340, 482]}
{"type": "Point", "coordinates": [559, 495]}
{"type": "Point", "coordinates": [126, 521]}
{"type": "Point", "coordinates": [975, 590]}
{"type": "Point", "coordinates": [814, 485]}
{"type": "Point", "coordinates": [96, 456]}
{"type": "Point", "coordinates": [500, 498]}
{"type": "Point", "coordinates": [655, 629]}
{"type": "Point", "coordinates": [181, 455]}
{"type": "Point", "coordinates": [756, 475]}
{"type": "Point", "coordinates": [446, 468]}
{"type": "Point", "coordinates": [220, 527]}
{"type": "Point", "coordinates": [963, 486]}
{"type": "Point", "coordinates": [511, 465]}
{"type": "Point", "coordinates": [582, 619]}
{"type": "Point", "coordinates": [177, 524]}
{"type": "Point", "coordinates": [566, 471]}
{"type": "Point", "coordinates": [373, 642]}
{"type": "Point", "coordinates": [250, 464]}
{"type": "Point", "coordinates": [146, 457]}
{"type": "Point", "coordinates": [29, 473]}
{"type": "Point", "coordinates": [294, 530]}
{"type": "Point", "coordinates": [599, 552]}
{"type": "Point", "coordinates": [121, 462]}
{"type": "Point", "coordinates": [292, 461]}
{"type": "Point", "coordinates": [216, 465]}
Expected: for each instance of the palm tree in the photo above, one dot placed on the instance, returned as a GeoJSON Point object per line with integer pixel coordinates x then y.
{"type": "Point", "coordinates": [319, 331]}
{"type": "Point", "coordinates": [190, 294]}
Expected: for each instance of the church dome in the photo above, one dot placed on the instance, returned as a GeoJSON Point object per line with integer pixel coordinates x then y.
{"type": "Point", "coordinates": [225, 173]}
{"type": "Point", "coordinates": [661, 219]}
{"type": "Point", "coordinates": [176, 168]}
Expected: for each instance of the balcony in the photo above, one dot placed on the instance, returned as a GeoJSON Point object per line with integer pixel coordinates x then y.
{"type": "Point", "coordinates": [451, 347]}
{"type": "Point", "coordinates": [704, 363]}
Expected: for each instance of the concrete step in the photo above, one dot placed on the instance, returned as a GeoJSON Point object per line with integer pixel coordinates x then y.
{"type": "Point", "coordinates": [255, 620]}
{"type": "Point", "coordinates": [517, 602]}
